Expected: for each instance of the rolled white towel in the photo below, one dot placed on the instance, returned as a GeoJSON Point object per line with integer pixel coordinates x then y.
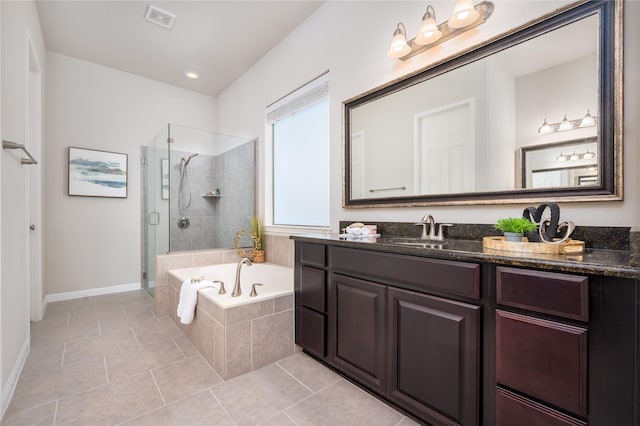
{"type": "Point", "coordinates": [189, 298]}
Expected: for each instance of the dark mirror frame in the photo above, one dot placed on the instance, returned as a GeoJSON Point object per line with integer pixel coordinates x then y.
{"type": "Point", "coordinates": [609, 121]}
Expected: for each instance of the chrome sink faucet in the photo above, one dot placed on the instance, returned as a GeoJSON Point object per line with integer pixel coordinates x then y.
{"type": "Point", "coordinates": [428, 219]}
{"type": "Point", "coordinates": [237, 291]}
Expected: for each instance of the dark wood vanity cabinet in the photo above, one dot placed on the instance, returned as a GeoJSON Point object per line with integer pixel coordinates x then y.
{"type": "Point", "coordinates": [433, 357]}
{"type": "Point", "coordinates": [453, 342]}
{"type": "Point", "coordinates": [310, 298]}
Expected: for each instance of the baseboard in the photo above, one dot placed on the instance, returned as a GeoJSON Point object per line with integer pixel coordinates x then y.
{"type": "Point", "coordinates": [10, 386]}
{"type": "Point", "coordinates": [68, 295]}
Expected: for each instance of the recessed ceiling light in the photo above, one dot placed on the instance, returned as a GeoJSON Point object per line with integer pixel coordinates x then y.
{"type": "Point", "coordinates": [160, 17]}
{"type": "Point", "coordinates": [191, 75]}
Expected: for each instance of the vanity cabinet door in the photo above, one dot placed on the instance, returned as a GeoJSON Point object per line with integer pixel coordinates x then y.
{"type": "Point", "coordinates": [356, 335]}
{"type": "Point", "coordinates": [434, 357]}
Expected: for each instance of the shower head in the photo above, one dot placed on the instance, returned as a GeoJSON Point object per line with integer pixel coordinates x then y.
{"type": "Point", "coordinates": [187, 159]}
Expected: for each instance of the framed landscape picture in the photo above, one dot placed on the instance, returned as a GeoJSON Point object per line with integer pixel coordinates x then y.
{"type": "Point", "coordinates": [94, 173]}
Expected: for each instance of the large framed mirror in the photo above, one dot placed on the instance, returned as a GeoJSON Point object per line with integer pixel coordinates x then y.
{"type": "Point", "coordinates": [471, 129]}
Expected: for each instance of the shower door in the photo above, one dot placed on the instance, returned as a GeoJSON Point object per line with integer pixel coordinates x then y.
{"type": "Point", "coordinates": [155, 203]}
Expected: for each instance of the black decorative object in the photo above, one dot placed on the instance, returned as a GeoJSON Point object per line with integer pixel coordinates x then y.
{"type": "Point", "coordinates": [535, 216]}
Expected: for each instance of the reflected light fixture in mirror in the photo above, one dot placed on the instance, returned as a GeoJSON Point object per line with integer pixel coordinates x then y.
{"type": "Point", "coordinates": [588, 155]}
{"type": "Point", "coordinates": [465, 16]}
{"type": "Point", "coordinates": [587, 121]}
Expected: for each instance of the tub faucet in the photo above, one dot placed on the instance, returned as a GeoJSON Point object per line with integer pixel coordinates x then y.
{"type": "Point", "coordinates": [237, 291]}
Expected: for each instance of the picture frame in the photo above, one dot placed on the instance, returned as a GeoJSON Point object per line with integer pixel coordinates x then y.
{"type": "Point", "coordinates": [164, 178]}
{"type": "Point", "coordinates": [95, 173]}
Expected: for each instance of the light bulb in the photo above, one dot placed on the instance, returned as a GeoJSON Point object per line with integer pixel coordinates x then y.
{"type": "Point", "coordinates": [545, 128]}
{"type": "Point", "coordinates": [428, 32]}
{"type": "Point", "coordinates": [588, 120]}
{"type": "Point", "coordinates": [398, 47]}
{"type": "Point", "coordinates": [561, 158]}
{"type": "Point", "coordinates": [464, 14]}
{"type": "Point", "coordinates": [565, 124]}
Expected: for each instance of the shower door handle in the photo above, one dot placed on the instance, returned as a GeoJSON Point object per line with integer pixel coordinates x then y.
{"type": "Point", "coordinates": [154, 218]}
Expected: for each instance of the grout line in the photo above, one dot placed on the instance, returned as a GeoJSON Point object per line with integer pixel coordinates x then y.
{"type": "Point", "coordinates": [222, 406]}
{"type": "Point", "coordinates": [154, 315]}
{"type": "Point", "coordinates": [64, 352]}
{"type": "Point", "coordinates": [178, 347]}
{"type": "Point", "coordinates": [55, 413]}
{"type": "Point", "coordinates": [68, 319]}
{"type": "Point", "coordinates": [99, 329]}
{"type": "Point", "coordinates": [135, 337]}
{"type": "Point", "coordinates": [106, 371]}
{"type": "Point", "coordinates": [289, 417]}
{"type": "Point", "coordinates": [158, 387]}
{"type": "Point", "coordinates": [295, 378]}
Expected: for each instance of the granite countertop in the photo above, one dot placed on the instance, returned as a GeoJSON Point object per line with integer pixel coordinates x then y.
{"type": "Point", "coordinates": [614, 263]}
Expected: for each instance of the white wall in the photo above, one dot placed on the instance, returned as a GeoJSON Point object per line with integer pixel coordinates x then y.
{"type": "Point", "coordinates": [339, 38]}
{"type": "Point", "coordinates": [19, 22]}
{"type": "Point", "coordinates": [95, 242]}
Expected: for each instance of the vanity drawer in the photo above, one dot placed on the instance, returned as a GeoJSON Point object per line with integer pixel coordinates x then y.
{"type": "Point", "coordinates": [313, 288]}
{"type": "Point", "coordinates": [551, 293]}
{"type": "Point", "coordinates": [313, 254]}
{"type": "Point", "coordinates": [409, 272]}
{"type": "Point", "coordinates": [543, 359]}
{"type": "Point", "coordinates": [512, 409]}
{"type": "Point", "coordinates": [312, 332]}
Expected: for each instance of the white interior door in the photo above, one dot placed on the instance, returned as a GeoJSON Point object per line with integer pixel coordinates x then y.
{"type": "Point", "coordinates": [34, 185]}
{"type": "Point", "coordinates": [444, 144]}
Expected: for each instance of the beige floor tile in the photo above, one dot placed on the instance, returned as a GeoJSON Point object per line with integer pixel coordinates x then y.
{"type": "Point", "coordinates": [124, 297]}
{"type": "Point", "coordinates": [85, 304]}
{"type": "Point", "coordinates": [58, 383]}
{"type": "Point", "coordinates": [102, 312]}
{"type": "Point", "coordinates": [125, 324]}
{"type": "Point", "coordinates": [199, 409]}
{"type": "Point", "coordinates": [98, 346]}
{"type": "Point", "coordinates": [309, 371]}
{"type": "Point", "coordinates": [259, 395]}
{"type": "Point", "coordinates": [37, 416]}
{"type": "Point", "coordinates": [184, 378]}
{"type": "Point", "coordinates": [44, 355]}
{"type": "Point", "coordinates": [62, 332]}
{"type": "Point", "coordinates": [280, 419]}
{"type": "Point", "coordinates": [161, 330]}
{"type": "Point", "coordinates": [343, 403]}
{"type": "Point", "coordinates": [146, 357]}
{"type": "Point", "coordinates": [110, 404]}
{"type": "Point", "coordinates": [187, 348]}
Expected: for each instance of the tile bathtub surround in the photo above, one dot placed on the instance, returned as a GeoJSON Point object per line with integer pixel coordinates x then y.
{"type": "Point", "coordinates": [279, 250]}
{"type": "Point", "coordinates": [598, 237]}
{"type": "Point", "coordinates": [239, 339]}
{"type": "Point", "coordinates": [171, 382]}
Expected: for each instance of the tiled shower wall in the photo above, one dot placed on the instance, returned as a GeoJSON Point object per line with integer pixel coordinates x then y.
{"type": "Point", "coordinates": [214, 220]}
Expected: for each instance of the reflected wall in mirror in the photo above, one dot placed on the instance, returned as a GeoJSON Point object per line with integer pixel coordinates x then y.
{"type": "Point", "coordinates": [452, 134]}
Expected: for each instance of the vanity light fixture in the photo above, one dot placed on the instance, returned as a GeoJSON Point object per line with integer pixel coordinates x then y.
{"type": "Point", "coordinates": [465, 16]}
{"type": "Point", "coordinates": [587, 121]}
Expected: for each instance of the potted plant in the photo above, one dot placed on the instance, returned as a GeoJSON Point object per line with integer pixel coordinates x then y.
{"type": "Point", "coordinates": [514, 228]}
{"type": "Point", "coordinates": [257, 235]}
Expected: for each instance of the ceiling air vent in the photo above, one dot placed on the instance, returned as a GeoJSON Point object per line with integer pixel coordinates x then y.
{"type": "Point", "coordinates": [160, 17]}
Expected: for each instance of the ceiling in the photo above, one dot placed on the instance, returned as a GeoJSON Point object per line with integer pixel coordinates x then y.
{"type": "Point", "coordinates": [219, 40]}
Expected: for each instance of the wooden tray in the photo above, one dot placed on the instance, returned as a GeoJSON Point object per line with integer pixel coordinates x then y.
{"type": "Point", "coordinates": [568, 247]}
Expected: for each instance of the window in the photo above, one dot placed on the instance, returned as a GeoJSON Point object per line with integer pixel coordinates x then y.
{"type": "Point", "coordinates": [300, 156]}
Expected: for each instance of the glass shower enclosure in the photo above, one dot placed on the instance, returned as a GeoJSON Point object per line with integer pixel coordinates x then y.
{"type": "Point", "coordinates": [198, 190]}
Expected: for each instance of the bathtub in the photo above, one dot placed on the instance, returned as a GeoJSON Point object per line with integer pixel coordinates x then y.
{"type": "Point", "coordinates": [239, 334]}
{"type": "Point", "coordinates": [276, 281]}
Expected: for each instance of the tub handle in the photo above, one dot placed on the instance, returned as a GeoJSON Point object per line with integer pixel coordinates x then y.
{"type": "Point", "coordinates": [253, 290]}
{"type": "Point", "coordinates": [222, 290]}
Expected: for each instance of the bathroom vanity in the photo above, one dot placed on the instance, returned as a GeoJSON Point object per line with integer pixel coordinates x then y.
{"type": "Point", "coordinates": [454, 334]}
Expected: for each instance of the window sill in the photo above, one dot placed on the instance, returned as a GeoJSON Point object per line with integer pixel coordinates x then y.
{"type": "Point", "coordinates": [296, 230]}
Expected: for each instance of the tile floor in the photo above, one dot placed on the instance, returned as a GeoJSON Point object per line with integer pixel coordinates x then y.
{"type": "Point", "coordinates": [108, 360]}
